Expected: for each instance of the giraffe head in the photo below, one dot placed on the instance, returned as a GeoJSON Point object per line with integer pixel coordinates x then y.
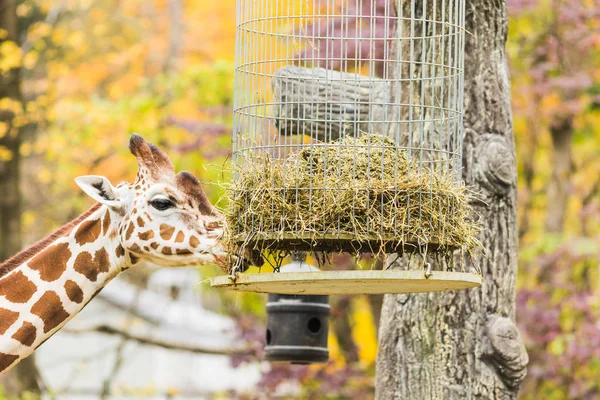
{"type": "Point", "coordinates": [163, 217]}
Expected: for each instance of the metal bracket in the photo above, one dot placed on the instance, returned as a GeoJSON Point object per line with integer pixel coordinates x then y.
{"type": "Point", "coordinates": [428, 273]}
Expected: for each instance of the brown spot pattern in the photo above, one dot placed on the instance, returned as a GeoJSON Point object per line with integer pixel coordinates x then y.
{"type": "Point", "coordinates": [51, 263]}
{"type": "Point", "coordinates": [194, 242]}
{"type": "Point", "coordinates": [166, 251]}
{"type": "Point", "coordinates": [130, 229]}
{"type": "Point", "coordinates": [22, 257]}
{"type": "Point", "coordinates": [146, 235]}
{"type": "Point", "coordinates": [88, 232]}
{"type": "Point", "coordinates": [166, 231]}
{"type": "Point", "coordinates": [7, 318]}
{"type": "Point", "coordinates": [140, 221]}
{"type": "Point", "coordinates": [180, 237]}
{"type": "Point", "coordinates": [106, 222]}
{"type": "Point", "coordinates": [50, 309]}
{"type": "Point", "coordinates": [120, 251]}
{"type": "Point", "coordinates": [16, 288]}
{"type": "Point", "coordinates": [135, 248]}
{"type": "Point", "coordinates": [92, 267]}
{"type": "Point", "coordinates": [73, 291]}
{"type": "Point", "coordinates": [154, 245]}
{"type": "Point", "coordinates": [134, 259]}
{"type": "Point", "coordinates": [183, 252]}
{"type": "Point", "coordinates": [6, 360]}
{"type": "Point", "coordinates": [26, 334]}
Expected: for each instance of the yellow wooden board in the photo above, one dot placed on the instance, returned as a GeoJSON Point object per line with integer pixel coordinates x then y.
{"type": "Point", "coordinates": [348, 282]}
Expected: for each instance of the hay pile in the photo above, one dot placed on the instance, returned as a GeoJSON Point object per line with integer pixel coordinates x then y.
{"type": "Point", "coordinates": [366, 196]}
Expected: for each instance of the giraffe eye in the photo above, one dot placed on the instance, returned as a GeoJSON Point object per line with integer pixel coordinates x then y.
{"type": "Point", "coordinates": [162, 204]}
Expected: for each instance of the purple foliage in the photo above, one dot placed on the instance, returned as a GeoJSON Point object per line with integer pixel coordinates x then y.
{"type": "Point", "coordinates": [206, 133]}
{"type": "Point", "coordinates": [541, 313]}
{"type": "Point", "coordinates": [516, 7]}
{"type": "Point", "coordinates": [251, 332]}
{"type": "Point", "coordinates": [321, 381]}
{"type": "Point", "coordinates": [357, 35]}
{"type": "Point", "coordinates": [559, 57]}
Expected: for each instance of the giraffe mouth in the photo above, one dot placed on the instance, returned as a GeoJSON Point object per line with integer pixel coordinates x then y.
{"type": "Point", "coordinates": [249, 259]}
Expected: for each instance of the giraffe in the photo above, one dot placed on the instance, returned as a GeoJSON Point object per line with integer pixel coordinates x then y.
{"type": "Point", "coordinates": [163, 217]}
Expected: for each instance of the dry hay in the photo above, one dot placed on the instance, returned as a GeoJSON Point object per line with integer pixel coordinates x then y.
{"type": "Point", "coordinates": [354, 195]}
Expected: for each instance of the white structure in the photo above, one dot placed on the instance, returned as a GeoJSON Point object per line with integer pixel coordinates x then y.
{"type": "Point", "coordinates": [76, 363]}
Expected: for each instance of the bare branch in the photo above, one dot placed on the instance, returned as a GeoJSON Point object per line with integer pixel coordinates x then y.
{"type": "Point", "coordinates": [109, 330]}
{"type": "Point", "coordinates": [107, 385]}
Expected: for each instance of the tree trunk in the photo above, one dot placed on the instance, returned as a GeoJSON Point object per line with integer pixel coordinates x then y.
{"type": "Point", "coordinates": [342, 327]}
{"type": "Point", "coordinates": [24, 377]}
{"type": "Point", "coordinates": [464, 344]}
{"type": "Point", "coordinates": [558, 187]}
{"type": "Point", "coordinates": [10, 89]}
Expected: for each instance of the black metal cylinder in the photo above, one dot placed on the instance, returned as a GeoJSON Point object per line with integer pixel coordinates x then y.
{"type": "Point", "coordinates": [297, 328]}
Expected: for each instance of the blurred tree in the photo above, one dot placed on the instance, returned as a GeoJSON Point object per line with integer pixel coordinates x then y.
{"type": "Point", "coordinates": [23, 378]}
{"type": "Point", "coordinates": [559, 56]}
{"type": "Point", "coordinates": [11, 111]}
{"type": "Point", "coordinates": [554, 49]}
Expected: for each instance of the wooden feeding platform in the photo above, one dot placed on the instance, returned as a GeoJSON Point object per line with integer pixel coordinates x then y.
{"type": "Point", "coordinates": [348, 282]}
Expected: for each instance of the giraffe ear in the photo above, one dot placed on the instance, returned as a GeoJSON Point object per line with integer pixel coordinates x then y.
{"type": "Point", "coordinates": [100, 189]}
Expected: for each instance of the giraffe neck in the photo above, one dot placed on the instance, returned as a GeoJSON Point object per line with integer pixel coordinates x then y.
{"type": "Point", "coordinates": [43, 287]}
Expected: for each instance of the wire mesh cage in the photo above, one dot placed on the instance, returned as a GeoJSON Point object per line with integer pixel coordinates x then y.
{"type": "Point", "coordinates": [348, 127]}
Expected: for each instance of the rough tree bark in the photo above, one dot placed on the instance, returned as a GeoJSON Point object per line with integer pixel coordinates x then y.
{"type": "Point", "coordinates": [24, 377]}
{"type": "Point", "coordinates": [464, 344]}
{"type": "Point", "coordinates": [327, 104]}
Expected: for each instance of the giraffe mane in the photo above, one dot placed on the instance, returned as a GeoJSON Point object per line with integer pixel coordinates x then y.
{"type": "Point", "coordinates": [31, 251]}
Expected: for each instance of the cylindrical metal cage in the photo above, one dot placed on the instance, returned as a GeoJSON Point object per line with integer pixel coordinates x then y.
{"type": "Point", "coordinates": [348, 125]}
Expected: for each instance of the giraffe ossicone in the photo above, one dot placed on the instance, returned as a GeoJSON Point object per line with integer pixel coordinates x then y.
{"type": "Point", "coordinates": [163, 217]}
